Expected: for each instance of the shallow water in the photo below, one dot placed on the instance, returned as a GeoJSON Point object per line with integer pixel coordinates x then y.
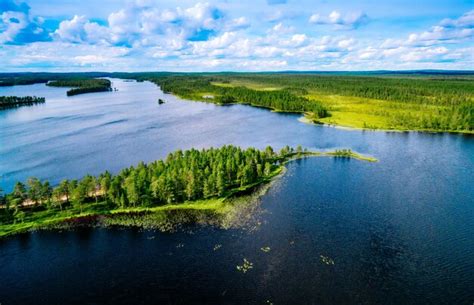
{"type": "Point", "coordinates": [399, 231]}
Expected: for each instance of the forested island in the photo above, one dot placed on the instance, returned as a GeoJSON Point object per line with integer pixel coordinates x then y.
{"type": "Point", "coordinates": [17, 101]}
{"type": "Point", "coordinates": [191, 186]}
{"type": "Point", "coordinates": [83, 85]}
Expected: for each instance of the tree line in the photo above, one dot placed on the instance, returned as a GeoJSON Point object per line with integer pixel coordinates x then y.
{"type": "Point", "coordinates": [281, 100]}
{"type": "Point", "coordinates": [182, 176]}
{"type": "Point", "coordinates": [82, 85]}
{"type": "Point", "coordinates": [444, 103]}
{"type": "Point", "coordinates": [444, 91]}
{"type": "Point", "coordinates": [17, 101]}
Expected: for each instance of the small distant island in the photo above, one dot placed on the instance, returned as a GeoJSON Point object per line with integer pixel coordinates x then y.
{"type": "Point", "coordinates": [81, 86]}
{"type": "Point", "coordinates": [18, 101]}
{"type": "Point", "coordinates": [206, 186]}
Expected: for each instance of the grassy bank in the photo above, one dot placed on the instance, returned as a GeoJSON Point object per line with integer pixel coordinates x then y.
{"type": "Point", "coordinates": [233, 209]}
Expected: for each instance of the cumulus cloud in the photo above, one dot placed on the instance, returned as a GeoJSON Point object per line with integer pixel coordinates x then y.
{"type": "Point", "coordinates": [465, 21]}
{"type": "Point", "coordinates": [17, 26]}
{"type": "Point", "coordinates": [145, 36]}
{"type": "Point", "coordinates": [81, 30]}
{"type": "Point", "coordinates": [448, 31]}
{"type": "Point", "coordinates": [143, 25]}
{"type": "Point", "coordinates": [347, 21]}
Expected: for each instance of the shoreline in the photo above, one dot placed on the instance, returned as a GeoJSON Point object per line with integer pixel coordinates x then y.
{"type": "Point", "coordinates": [304, 119]}
{"type": "Point", "coordinates": [236, 210]}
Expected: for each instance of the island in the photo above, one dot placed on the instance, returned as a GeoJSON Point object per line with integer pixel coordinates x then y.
{"type": "Point", "coordinates": [81, 86]}
{"type": "Point", "coordinates": [16, 101]}
{"type": "Point", "coordinates": [205, 186]}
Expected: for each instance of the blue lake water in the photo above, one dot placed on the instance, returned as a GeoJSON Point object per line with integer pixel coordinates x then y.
{"type": "Point", "coordinates": [399, 231]}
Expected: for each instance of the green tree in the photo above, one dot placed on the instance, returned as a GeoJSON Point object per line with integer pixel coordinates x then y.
{"type": "Point", "coordinates": [105, 181]}
{"type": "Point", "coordinates": [34, 189]}
{"type": "Point", "coordinates": [221, 184]}
{"type": "Point", "coordinates": [131, 189]}
{"type": "Point", "coordinates": [46, 193]}
{"type": "Point", "coordinates": [64, 191]}
{"type": "Point", "coordinates": [19, 195]}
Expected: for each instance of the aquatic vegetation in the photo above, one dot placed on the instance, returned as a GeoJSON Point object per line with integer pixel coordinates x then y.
{"type": "Point", "coordinates": [326, 260]}
{"type": "Point", "coordinates": [246, 266]}
{"type": "Point", "coordinates": [265, 249]}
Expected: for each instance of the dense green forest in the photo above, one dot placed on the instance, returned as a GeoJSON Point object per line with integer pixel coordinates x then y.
{"type": "Point", "coordinates": [182, 176]}
{"type": "Point", "coordinates": [211, 182]}
{"type": "Point", "coordinates": [16, 101]}
{"type": "Point", "coordinates": [280, 100]}
{"type": "Point", "coordinates": [82, 85]}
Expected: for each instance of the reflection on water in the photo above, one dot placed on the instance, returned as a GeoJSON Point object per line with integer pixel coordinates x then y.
{"type": "Point", "coordinates": [398, 231]}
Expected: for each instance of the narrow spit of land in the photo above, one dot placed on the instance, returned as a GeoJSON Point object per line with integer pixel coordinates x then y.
{"type": "Point", "coordinates": [209, 186]}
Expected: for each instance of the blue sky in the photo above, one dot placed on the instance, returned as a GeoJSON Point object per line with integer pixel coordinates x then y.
{"type": "Point", "coordinates": [245, 35]}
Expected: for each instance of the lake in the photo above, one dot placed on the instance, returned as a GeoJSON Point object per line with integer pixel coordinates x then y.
{"type": "Point", "coordinates": [339, 231]}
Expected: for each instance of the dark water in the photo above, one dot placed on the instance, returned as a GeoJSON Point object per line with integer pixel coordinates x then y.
{"type": "Point", "coordinates": [399, 231]}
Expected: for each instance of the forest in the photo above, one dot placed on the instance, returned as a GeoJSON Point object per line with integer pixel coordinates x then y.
{"type": "Point", "coordinates": [384, 102]}
{"type": "Point", "coordinates": [81, 86]}
{"type": "Point", "coordinates": [279, 100]}
{"type": "Point", "coordinates": [16, 101]}
{"type": "Point", "coordinates": [182, 177]}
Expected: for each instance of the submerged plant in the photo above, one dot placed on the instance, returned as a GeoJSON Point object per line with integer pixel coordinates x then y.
{"type": "Point", "coordinates": [246, 266]}
{"type": "Point", "coordinates": [326, 260]}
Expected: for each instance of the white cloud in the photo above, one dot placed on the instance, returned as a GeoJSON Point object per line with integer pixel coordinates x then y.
{"type": "Point", "coordinates": [146, 36]}
{"type": "Point", "coordinates": [448, 31]}
{"type": "Point", "coordinates": [18, 27]}
{"type": "Point", "coordinates": [238, 24]}
{"type": "Point", "coordinates": [465, 21]}
{"type": "Point", "coordinates": [80, 30]}
{"type": "Point", "coordinates": [348, 21]}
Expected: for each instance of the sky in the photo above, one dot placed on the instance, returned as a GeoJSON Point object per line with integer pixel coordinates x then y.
{"type": "Point", "coordinates": [243, 35]}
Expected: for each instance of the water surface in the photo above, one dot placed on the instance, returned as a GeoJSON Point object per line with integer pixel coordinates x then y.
{"type": "Point", "coordinates": [399, 231]}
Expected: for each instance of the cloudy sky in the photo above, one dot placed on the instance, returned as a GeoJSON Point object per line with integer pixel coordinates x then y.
{"type": "Point", "coordinates": [243, 35]}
